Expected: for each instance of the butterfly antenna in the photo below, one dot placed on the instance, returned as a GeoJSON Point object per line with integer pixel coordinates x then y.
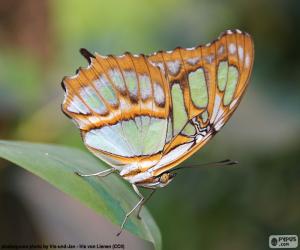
{"type": "Point", "coordinates": [226, 162]}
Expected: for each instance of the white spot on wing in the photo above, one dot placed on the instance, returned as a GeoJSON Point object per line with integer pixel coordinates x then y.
{"type": "Point", "coordinates": [102, 84]}
{"type": "Point", "coordinates": [219, 125]}
{"type": "Point", "coordinates": [219, 115]}
{"type": "Point", "coordinates": [247, 61]}
{"type": "Point", "coordinates": [232, 104]}
{"type": "Point", "coordinates": [209, 59]}
{"type": "Point", "coordinates": [145, 86]}
{"type": "Point", "coordinates": [199, 137]}
{"type": "Point", "coordinates": [221, 50]}
{"type": "Point", "coordinates": [117, 79]}
{"type": "Point", "coordinates": [232, 48]}
{"type": "Point", "coordinates": [241, 53]}
{"type": "Point", "coordinates": [77, 106]}
{"type": "Point", "coordinates": [89, 95]}
{"type": "Point", "coordinates": [216, 108]}
{"type": "Point", "coordinates": [131, 82]}
{"type": "Point", "coordinates": [159, 94]}
{"type": "Point", "coordinates": [159, 65]}
{"type": "Point", "coordinates": [192, 48]}
{"type": "Point", "coordinates": [173, 66]}
{"type": "Point", "coordinates": [193, 60]}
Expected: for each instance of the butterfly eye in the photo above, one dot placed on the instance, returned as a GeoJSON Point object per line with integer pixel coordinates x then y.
{"type": "Point", "coordinates": [164, 178]}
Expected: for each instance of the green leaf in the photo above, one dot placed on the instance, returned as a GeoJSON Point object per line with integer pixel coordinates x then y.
{"type": "Point", "coordinates": [109, 196]}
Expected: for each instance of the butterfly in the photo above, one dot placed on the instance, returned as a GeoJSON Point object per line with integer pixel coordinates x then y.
{"type": "Point", "coordinates": [145, 114]}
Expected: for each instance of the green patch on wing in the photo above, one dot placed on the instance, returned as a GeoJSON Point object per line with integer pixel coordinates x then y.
{"type": "Point", "coordinates": [117, 79]}
{"type": "Point", "coordinates": [222, 75]}
{"type": "Point", "coordinates": [232, 81]}
{"type": "Point", "coordinates": [154, 140]}
{"type": "Point", "coordinates": [198, 88]}
{"type": "Point", "coordinates": [131, 82]}
{"type": "Point", "coordinates": [106, 90]}
{"type": "Point", "coordinates": [89, 95]}
{"type": "Point", "coordinates": [189, 129]}
{"type": "Point", "coordinates": [180, 117]}
{"type": "Point", "coordinates": [132, 135]}
{"type": "Point", "coordinates": [204, 116]}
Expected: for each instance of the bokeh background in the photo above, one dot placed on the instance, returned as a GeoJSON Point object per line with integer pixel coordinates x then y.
{"type": "Point", "coordinates": [207, 208]}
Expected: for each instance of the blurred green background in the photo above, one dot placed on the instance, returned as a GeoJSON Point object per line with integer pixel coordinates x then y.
{"type": "Point", "coordinates": [209, 208]}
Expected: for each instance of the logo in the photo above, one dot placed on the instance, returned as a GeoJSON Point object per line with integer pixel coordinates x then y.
{"type": "Point", "coordinates": [283, 241]}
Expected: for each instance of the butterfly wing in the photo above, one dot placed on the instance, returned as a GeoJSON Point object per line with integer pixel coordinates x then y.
{"type": "Point", "coordinates": [206, 85]}
{"type": "Point", "coordinates": [121, 105]}
{"type": "Point", "coordinates": [153, 112]}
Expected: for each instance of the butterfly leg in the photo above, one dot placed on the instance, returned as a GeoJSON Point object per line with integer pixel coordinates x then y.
{"type": "Point", "coordinates": [102, 173]}
{"type": "Point", "coordinates": [134, 208]}
{"type": "Point", "coordinates": [143, 203]}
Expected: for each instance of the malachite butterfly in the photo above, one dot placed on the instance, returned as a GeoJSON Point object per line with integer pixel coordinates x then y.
{"type": "Point", "coordinates": [143, 115]}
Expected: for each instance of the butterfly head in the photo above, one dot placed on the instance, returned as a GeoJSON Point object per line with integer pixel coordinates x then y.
{"type": "Point", "coordinates": [159, 181]}
{"type": "Point", "coordinates": [165, 178]}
